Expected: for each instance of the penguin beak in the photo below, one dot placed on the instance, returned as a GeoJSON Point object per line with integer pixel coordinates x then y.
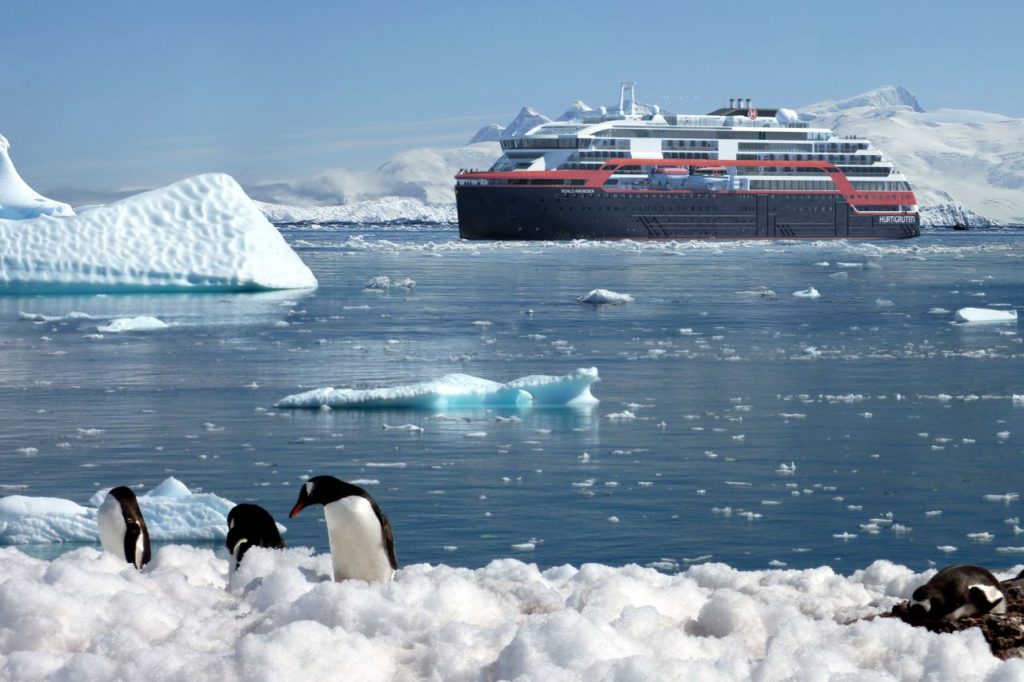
{"type": "Point", "coordinates": [299, 506]}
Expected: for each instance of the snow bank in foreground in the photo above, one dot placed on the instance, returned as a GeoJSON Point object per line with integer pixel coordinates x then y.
{"type": "Point", "coordinates": [18, 201]}
{"type": "Point", "coordinates": [385, 210]}
{"type": "Point", "coordinates": [172, 513]}
{"type": "Point", "coordinates": [86, 616]}
{"type": "Point", "coordinates": [979, 315]}
{"type": "Point", "coordinates": [202, 233]}
{"type": "Point", "coordinates": [458, 391]}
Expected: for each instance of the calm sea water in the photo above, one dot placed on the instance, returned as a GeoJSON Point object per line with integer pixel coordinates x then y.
{"type": "Point", "coordinates": [887, 410]}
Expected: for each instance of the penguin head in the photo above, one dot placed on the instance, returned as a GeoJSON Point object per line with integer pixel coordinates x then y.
{"type": "Point", "coordinates": [926, 602]}
{"type": "Point", "coordinates": [125, 496]}
{"type": "Point", "coordinates": [322, 490]}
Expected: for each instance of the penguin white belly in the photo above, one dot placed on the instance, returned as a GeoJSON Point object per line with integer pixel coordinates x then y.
{"type": "Point", "coordinates": [357, 541]}
{"type": "Point", "coordinates": [110, 521]}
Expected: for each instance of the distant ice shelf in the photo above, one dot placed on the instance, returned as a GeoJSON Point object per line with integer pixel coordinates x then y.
{"type": "Point", "coordinates": [172, 513]}
{"type": "Point", "coordinates": [199, 234]}
{"type": "Point", "coordinates": [457, 391]}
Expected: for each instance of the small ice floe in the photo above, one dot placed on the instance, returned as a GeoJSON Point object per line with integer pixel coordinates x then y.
{"type": "Point", "coordinates": [985, 316]}
{"type": "Point", "coordinates": [385, 465]}
{"type": "Point", "coordinates": [411, 428]}
{"type": "Point", "coordinates": [584, 458]}
{"type": "Point", "coordinates": [458, 391]}
{"type": "Point", "coordinates": [948, 549]}
{"type": "Point", "coordinates": [623, 416]}
{"type": "Point", "coordinates": [775, 563]}
{"type": "Point", "coordinates": [938, 311]}
{"type": "Point", "coordinates": [475, 434]}
{"type": "Point", "coordinates": [140, 323]}
{"type": "Point", "coordinates": [697, 559]}
{"type": "Point", "coordinates": [1003, 435]}
{"type": "Point", "coordinates": [1010, 550]}
{"type": "Point", "coordinates": [983, 536]}
{"type": "Point", "coordinates": [844, 536]}
{"type": "Point", "coordinates": [365, 481]}
{"type": "Point", "coordinates": [1005, 497]}
{"type": "Point", "coordinates": [528, 546]}
{"type": "Point", "coordinates": [822, 264]}
{"type": "Point", "coordinates": [40, 317]}
{"type": "Point", "coordinates": [933, 512]}
{"type": "Point", "coordinates": [404, 283]}
{"type": "Point", "coordinates": [89, 432]}
{"type": "Point", "coordinates": [810, 292]}
{"type": "Point", "coordinates": [28, 451]}
{"type": "Point", "coordinates": [378, 283]}
{"type": "Point", "coordinates": [849, 265]}
{"type": "Point", "coordinates": [604, 297]}
{"type": "Point", "coordinates": [613, 519]}
{"type": "Point", "coordinates": [884, 303]}
{"type": "Point", "coordinates": [900, 529]}
{"type": "Point", "coordinates": [759, 292]}
{"type": "Point", "coordinates": [1017, 399]}
{"type": "Point", "coordinates": [482, 324]}
{"type": "Point", "coordinates": [786, 469]}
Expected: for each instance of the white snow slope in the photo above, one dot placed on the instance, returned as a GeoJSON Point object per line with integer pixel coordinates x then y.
{"type": "Point", "coordinates": [87, 616]}
{"type": "Point", "coordinates": [960, 163]}
{"type": "Point", "coordinates": [202, 233]}
{"type": "Point", "coordinates": [19, 201]}
{"type": "Point", "coordinates": [963, 165]}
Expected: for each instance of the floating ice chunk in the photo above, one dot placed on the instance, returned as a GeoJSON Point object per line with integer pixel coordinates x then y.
{"type": "Point", "coordinates": [604, 296]}
{"type": "Point", "coordinates": [1010, 550]}
{"type": "Point", "coordinates": [1003, 435]}
{"type": "Point", "coordinates": [411, 428]}
{"type": "Point", "coordinates": [200, 234]}
{"type": "Point", "coordinates": [457, 391]}
{"type": "Point", "coordinates": [982, 536]}
{"type": "Point", "coordinates": [40, 317]}
{"type": "Point", "coordinates": [18, 201]}
{"type": "Point", "coordinates": [786, 469]}
{"type": "Point", "coordinates": [810, 292]}
{"type": "Point", "coordinates": [1017, 399]}
{"type": "Point", "coordinates": [938, 311]}
{"type": "Point", "coordinates": [884, 303]}
{"type": "Point", "coordinates": [948, 549]}
{"type": "Point", "coordinates": [140, 323]}
{"type": "Point", "coordinates": [1005, 497]}
{"type": "Point", "coordinates": [172, 513]}
{"type": "Point", "coordinates": [378, 283]}
{"type": "Point", "coordinates": [986, 316]}
{"type": "Point", "coordinates": [759, 292]}
{"type": "Point", "coordinates": [844, 536]}
{"type": "Point", "coordinates": [625, 415]}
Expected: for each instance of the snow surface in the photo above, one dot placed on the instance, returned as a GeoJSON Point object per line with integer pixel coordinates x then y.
{"type": "Point", "coordinates": [603, 297]}
{"type": "Point", "coordinates": [18, 201]}
{"type": "Point", "coordinates": [983, 315]}
{"type": "Point", "coordinates": [173, 513]}
{"type": "Point", "coordinates": [457, 391]}
{"type": "Point", "coordinates": [85, 616]}
{"type": "Point", "coordinates": [202, 233]}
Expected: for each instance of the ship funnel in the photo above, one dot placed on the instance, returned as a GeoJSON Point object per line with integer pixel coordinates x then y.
{"type": "Point", "coordinates": [748, 103]}
{"type": "Point", "coordinates": [627, 103]}
{"type": "Point", "coordinates": [731, 103]}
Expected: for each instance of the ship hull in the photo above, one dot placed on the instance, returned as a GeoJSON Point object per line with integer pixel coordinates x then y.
{"type": "Point", "coordinates": [544, 213]}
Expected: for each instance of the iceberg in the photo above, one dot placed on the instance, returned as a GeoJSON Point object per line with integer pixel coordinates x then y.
{"type": "Point", "coordinates": [604, 297]}
{"type": "Point", "coordinates": [139, 323]}
{"type": "Point", "coordinates": [199, 234]}
{"type": "Point", "coordinates": [173, 513]}
{"type": "Point", "coordinates": [18, 201]}
{"type": "Point", "coordinates": [985, 315]}
{"type": "Point", "coordinates": [457, 391]}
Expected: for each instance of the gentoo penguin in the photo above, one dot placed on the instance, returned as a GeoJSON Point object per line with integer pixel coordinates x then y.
{"type": "Point", "coordinates": [362, 543]}
{"type": "Point", "coordinates": [122, 529]}
{"type": "Point", "coordinates": [958, 591]}
{"type": "Point", "coordinates": [250, 525]}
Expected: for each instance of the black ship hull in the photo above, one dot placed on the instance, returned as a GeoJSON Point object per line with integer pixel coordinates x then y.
{"type": "Point", "coordinates": [547, 213]}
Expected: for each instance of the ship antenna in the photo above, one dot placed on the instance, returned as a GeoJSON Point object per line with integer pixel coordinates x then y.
{"type": "Point", "coordinates": [627, 102]}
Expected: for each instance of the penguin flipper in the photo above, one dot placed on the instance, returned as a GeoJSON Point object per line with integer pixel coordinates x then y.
{"type": "Point", "coordinates": [387, 535]}
{"type": "Point", "coordinates": [136, 545]}
{"type": "Point", "coordinates": [987, 598]}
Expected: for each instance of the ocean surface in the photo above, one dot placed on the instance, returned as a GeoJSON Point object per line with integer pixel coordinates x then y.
{"type": "Point", "coordinates": [767, 430]}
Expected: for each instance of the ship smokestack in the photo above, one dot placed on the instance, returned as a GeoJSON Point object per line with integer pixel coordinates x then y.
{"type": "Point", "coordinates": [748, 103]}
{"type": "Point", "coordinates": [731, 103]}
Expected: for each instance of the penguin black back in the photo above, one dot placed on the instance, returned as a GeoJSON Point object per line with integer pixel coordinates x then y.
{"type": "Point", "coordinates": [122, 527]}
{"type": "Point", "coordinates": [250, 525]}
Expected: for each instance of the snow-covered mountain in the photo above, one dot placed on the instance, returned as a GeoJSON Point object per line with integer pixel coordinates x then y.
{"type": "Point", "coordinates": [963, 165]}
{"type": "Point", "coordinates": [526, 120]}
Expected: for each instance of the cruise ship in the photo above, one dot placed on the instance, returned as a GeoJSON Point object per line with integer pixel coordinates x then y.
{"type": "Point", "coordinates": [637, 172]}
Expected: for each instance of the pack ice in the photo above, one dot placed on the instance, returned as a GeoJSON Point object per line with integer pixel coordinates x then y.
{"type": "Point", "coordinates": [199, 234]}
{"type": "Point", "coordinates": [985, 315]}
{"type": "Point", "coordinates": [458, 391]}
{"type": "Point", "coordinates": [172, 513]}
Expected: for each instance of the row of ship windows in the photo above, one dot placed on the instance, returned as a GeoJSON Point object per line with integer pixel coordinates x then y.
{"type": "Point", "coordinates": [711, 134]}
{"type": "Point", "coordinates": [858, 159]}
{"type": "Point", "coordinates": [883, 186]}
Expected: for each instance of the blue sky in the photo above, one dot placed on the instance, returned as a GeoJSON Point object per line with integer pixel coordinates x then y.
{"type": "Point", "coordinates": [108, 95]}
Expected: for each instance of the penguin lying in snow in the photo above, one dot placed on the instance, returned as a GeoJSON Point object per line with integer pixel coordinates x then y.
{"type": "Point", "coordinates": [250, 525]}
{"type": "Point", "coordinates": [956, 592]}
{"type": "Point", "coordinates": [122, 529]}
{"type": "Point", "coordinates": [361, 539]}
